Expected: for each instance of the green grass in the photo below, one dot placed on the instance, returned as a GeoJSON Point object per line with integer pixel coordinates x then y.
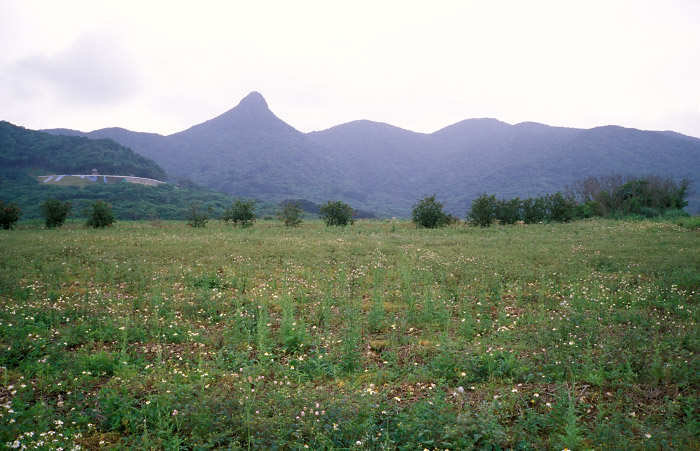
{"type": "Point", "coordinates": [373, 337]}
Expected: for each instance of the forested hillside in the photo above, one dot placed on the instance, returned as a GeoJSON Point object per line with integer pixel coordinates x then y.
{"type": "Point", "coordinates": [27, 153]}
{"type": "Point", "coordinates": [61, 154]}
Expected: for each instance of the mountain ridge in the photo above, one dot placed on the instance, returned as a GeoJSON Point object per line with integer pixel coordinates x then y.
{"type": "Point", "coordinates": [249, 151]}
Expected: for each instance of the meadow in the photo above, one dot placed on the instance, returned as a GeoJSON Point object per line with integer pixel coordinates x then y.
{"type": "Point", "coordinates": [379, 336]}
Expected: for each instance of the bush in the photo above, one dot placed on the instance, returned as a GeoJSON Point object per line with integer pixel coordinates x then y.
{"type": "Point", "coordinates": [483, 210]}
{"type": "Point", "coordinates": [619, 196]}
{"type": "Point", "coordinates": [428, 213]}
{"type": "Point", "coordinates": [100, 215]}
{"type": "Point", "coordinates": [9, 215]}
{"type": "Point", "coordinates": [559, 208]}
{"type": "Point", "coordinates": [336, 213]}
{"type": "Point", "coordinates": [508, 211]}
{"type": "Point", "coordinates": [197, 217]}
{"type": "Point", "coordinates": [534, 210]}
{"type": "Point", "coordinates": [241, 213]}
{"type": "Point", "coordinates": [55, 212]}
{"type": "Point", "coordinates": [291, 214]}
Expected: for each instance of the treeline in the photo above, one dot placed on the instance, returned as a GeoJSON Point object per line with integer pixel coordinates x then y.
{"type": "Point", "coordinates": [486, 209]}
{"type": "Point", "coordinates": [315, 209]}
{"type": "Point", "coordinates": [61, 154]}
{"type": "Point", "coordinates": [618, 195]}
{"type": "Point", "coordinates": [613, 196]}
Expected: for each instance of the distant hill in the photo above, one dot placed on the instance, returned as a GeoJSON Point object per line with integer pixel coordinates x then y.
{"type": "Point", "coordinates": [26, 154]}
{"type": "Point", "coordinates": [60, 154]}
{"type": "Point", "coordinates": [380, 168]}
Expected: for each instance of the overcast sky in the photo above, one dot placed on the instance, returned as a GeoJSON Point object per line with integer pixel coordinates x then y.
{"type": "Point", "coordinates": [165, 66]}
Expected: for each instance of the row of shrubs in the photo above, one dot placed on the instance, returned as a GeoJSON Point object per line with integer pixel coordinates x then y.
{"type": "Point", "coordinates": [55, 213]}
{"type": "Point", "coordinates": [242, 213]}
{"type": "Point", "coordinates": [611, 196]}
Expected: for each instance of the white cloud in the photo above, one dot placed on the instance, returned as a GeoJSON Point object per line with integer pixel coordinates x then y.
{"type": "Point", "coordinates": [164, 66]}
{"type": "Point", "coordinates": [95, 70]}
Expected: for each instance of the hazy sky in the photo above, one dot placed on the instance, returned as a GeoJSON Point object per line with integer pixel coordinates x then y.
{"type": "Point", "coordinates": [165, 66]}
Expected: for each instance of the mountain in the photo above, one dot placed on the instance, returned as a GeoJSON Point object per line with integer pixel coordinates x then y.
{"type": "Point", "coordinates": [61, 154]}
{"type": "Point", "coordinates": [248, 151]}
{"type": "Point", "coordinates": [26, 153]}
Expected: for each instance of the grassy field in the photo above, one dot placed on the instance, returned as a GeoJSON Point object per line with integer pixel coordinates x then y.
{"type": "Point", "coordinates": [379, 336]}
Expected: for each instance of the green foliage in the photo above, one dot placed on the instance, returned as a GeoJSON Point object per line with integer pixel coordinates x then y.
{"type": "Point", "coordinates": [548, 208]}
{"type": "Point", "coordinates": [291, 214]}
{"type": "Point", "coordinates": [9, 215]}
{"type": "Point", "coordinates": [61, 154]}
{"type": "Point", "coordinates": [508, 211]}
{"type": "Point", "coordinates": [534, 210]}
{"type": "Point", "coordinates": [197, 216]}
{"type": "Point", "coordinates": [55, 212]}
{"type": "Point", "coordinates": [100, 215]}
{"type": "Point", "coordinates": [241, 212]}
{"type": "Point", "coordinates": [518, 338]}
{"type": "Point", "coordinates": [130, 201]}
{"type": "Point", "coordinates": [428, 213]}
{"type": "Point", "coordinates": [559, 208]}
{"type": "Point", "coordinates": [336, 213]}
{"type": "Point", "coordinates": [619, 196]}
{"type": "Point", "coordinates": [483, 210]}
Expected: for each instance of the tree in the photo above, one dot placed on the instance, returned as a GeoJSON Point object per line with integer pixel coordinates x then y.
{"type": "Point", "coordinates": [336, 213]}
{"type": "Point", "coordinates": [428, 213]}
{"type": "Point", "coordinates": [55, 212]}
{"type": "Point", "coordinates": [100, 215]}
{"type": "Point", "coordinates": [9, 215]}
{"type": "Point", "coordinates": [483, 210]}
{"type": "Point", "coordinates": [534, 210]}
{"type": "Point", "coordinates": [559, 208]}
{"type": "Point", "coordinates": [196, 216]}
{"type": "Point", "coordinates": [617, 195]}
{"type": "Point", "coordinates": [291, 214]}
{"type": "Point", "coordinates": [241, 213]}
{"type": "Point", "coordinates": [508, 211]}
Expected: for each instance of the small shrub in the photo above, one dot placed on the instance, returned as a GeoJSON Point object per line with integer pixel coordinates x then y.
{"type": "Point", "coordinates": [197, 217]}
{"type": "Point", "coordinates": [100, 215]}
{"type": "Point", "coordinates": [508, 211]}
{"type": "Point", "coordinates": [291, 214]}
{"type": "Point", "coordinates": [242, 213]}
{"type": "Point", "coordinates": [533, 210]}
{"type": "Point", "coordinates": [336, 213]}
{"type": "Point", "coordinates": [560, 208]}
{"type": "Point", "coordinates": [428, 213]}
{"type": "Point", "coordinates": [483, 210]}
{"type": "Point", "coordinates": [55, 212]}
{"type": "Point", "coordinates": [9, 215]}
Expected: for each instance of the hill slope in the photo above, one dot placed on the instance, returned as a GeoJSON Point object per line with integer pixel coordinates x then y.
{"type": "Point", "coordinates": [249, 151]}
{"type": "Point", "coordinates": [24, 152]}
{"type": "Point", "coordinates": [22, 148]}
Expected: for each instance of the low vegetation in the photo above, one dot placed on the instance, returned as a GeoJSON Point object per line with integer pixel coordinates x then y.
{"type": "Point", "coordinates": [291, 214]}
{"type": "Point", "coordinates": [613, 196]}
{"type": "Point", "coordinates": [428, 213]}
{"type": "Point", "coordinates": [9, 214]}
{"type": "Point", "coordinates": [241, 212]}
{"type": "Point", "coordinates": [99, 215]}
{"type": "Point", "coordinates": [336, 213]}
{"type": "Point", "coordinates": [55, 212]}
{"type": "Point", "coordinates": [581, 335]}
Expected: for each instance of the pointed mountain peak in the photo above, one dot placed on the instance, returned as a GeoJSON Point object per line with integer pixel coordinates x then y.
{"type": "Point", "coordinates": [254, 100]}
{"type": "Point", "coordinates": [251, 113]}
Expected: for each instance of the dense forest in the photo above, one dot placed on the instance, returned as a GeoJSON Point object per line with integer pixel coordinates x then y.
{"type": "Point", "coordinates": [60, 154]}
